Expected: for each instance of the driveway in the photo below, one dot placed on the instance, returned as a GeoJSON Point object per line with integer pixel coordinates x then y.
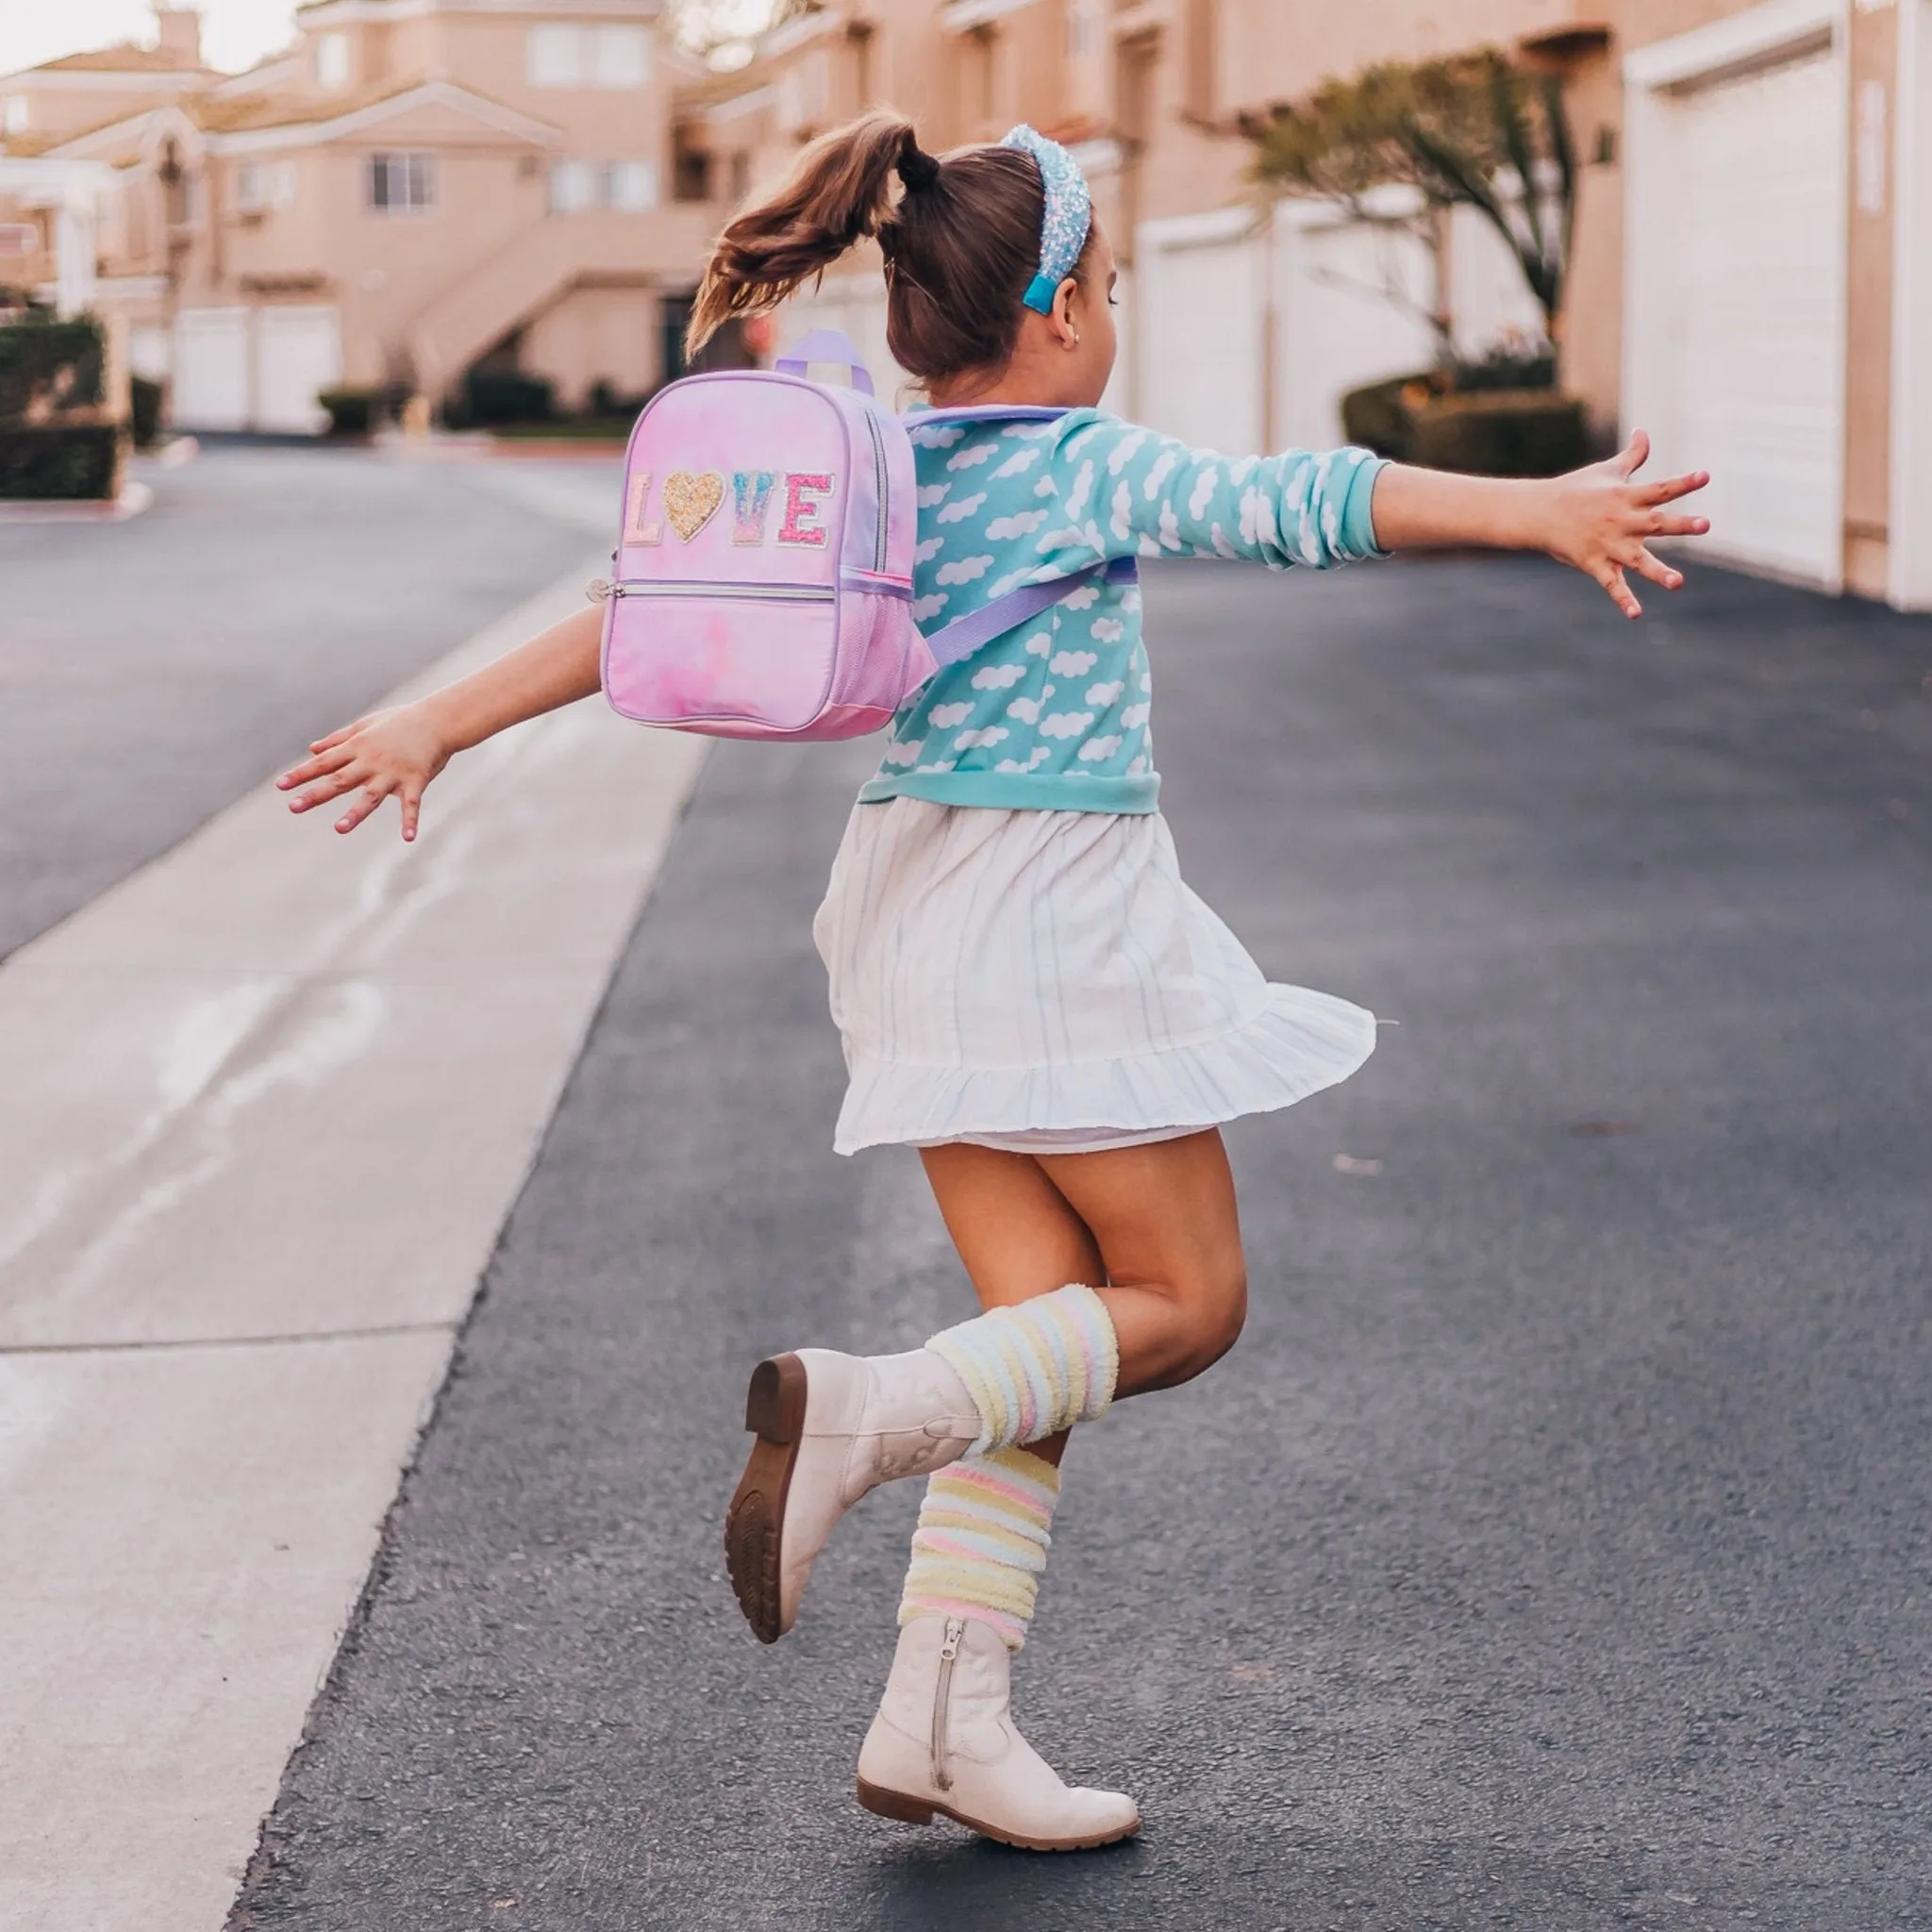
{"type": "Point", "coordinates": [1553, 1552]}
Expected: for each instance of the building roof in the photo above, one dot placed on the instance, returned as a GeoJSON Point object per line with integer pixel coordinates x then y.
{"type": "Point", "coordinates": [250, 113]}
{"type": "Point", "coordinates": [125, 58]}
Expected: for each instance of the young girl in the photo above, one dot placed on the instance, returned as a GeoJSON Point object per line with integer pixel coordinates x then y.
{"type": "Point", "coordinates": [1027, 990]}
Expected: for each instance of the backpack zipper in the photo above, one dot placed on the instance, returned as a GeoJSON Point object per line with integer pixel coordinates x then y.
{"type": "Point", "coordinates": [878, 458]}
{"type": "Point", "coordinates": [603, 589]}
{"type": "Point", "coordinates": [941, 1700]}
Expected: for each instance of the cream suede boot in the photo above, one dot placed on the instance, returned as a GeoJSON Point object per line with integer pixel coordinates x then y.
{"type": "Point", "coordinates": [830, 1427]}
{"type": "Point", "coordinates": [944, 1741]}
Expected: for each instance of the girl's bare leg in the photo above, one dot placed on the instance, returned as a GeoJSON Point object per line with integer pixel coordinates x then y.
{"type": "Point", "coordinates": [1015, 1232]}
{"type": "Point", "coordinates": [1155, 1229]}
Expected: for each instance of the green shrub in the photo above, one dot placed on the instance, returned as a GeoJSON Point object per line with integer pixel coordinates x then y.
{"type": "Point", "coordinates": [70, 460]}
{"type": "Point", "coordinates": [144, 411]}
{"type": "Point", "coordinates": [352, 411]}
{"type": "Point", "coordinates": [494, 395]}
{"type": "Point", "coordinates": [49, 363]}
{"type": "Point", "coordinates": [1523, 432]}
{"type": "Point", "coordinates": [1506, 368]}
{"type": "Point", "coordinates": [1431, 419]}
{"type": "Point", "coordinates": [1377, 416]}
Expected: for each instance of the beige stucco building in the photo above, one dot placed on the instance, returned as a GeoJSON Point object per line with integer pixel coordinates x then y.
{"type": "Point", "coordinates": [414, 185]}
{"type": "Point", "coordinates": [419, 183]}
{"type": "Point", "coordinates": [1752, 278]}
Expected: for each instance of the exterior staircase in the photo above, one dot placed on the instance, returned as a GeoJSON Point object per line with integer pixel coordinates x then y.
{"type": "Point", "coordinates": [537, 267]}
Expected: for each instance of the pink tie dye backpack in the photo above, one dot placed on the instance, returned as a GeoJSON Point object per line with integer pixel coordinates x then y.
{"type": "Point", "coordinates": [763, 583]}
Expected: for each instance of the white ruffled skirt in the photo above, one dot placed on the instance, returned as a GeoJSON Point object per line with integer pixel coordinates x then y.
{"type": "Point", "coordinates": [1045, 981]}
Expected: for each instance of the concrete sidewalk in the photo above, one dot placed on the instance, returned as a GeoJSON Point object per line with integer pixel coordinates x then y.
{"type": "Point", "coordinates": [267, 1103]}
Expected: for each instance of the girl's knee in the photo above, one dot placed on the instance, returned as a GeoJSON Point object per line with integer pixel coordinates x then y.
{"type": "Point", "coordinates": [1215, 1301]}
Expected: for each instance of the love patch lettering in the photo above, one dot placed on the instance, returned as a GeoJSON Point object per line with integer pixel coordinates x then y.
{"type": "Point", "coordinates": [692, 498]}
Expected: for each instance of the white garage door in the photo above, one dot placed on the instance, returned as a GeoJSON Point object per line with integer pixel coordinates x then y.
{"type": "Point", "coordinates": [1353, 302]}
{"type": "Point", "coordinates": [298, 352]}
{"type": "Point", "coordinates": [1200, 328]}
{"type": "Point", "coordinates": [211, 369]}
{"type": "Point", "coordinates": [1749, 280]}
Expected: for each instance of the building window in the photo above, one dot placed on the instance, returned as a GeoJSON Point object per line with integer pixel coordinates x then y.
{"type": "Point", "coordinates": [568, 53]}
{"type": "Point", "coordinates": [573, 187]}
{"type": "Point", "coordinates": [332, 62]}
{"type": "Point", "coordinates": [16, 113]}
{"type": "Point", "coordinates": [264, 184]}
{"type": "Point", "coordinates": [554, 55]}
{"type": "Point", "coordinates": [740, 176]}
{"type": "Point", "coordinates": [402, 184]}
{"type": "Point", "coordinates": [1083, 28]}
{"type": "Point", "coordinates": [620, 57]}
{"type": "Point", "coordinates": [631, 187]}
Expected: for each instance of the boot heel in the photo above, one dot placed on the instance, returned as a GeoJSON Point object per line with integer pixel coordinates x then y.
{"type": "Point", "coordinates": [775, 1403]}
{"type": "Point", "coordinates": [894, 1804]}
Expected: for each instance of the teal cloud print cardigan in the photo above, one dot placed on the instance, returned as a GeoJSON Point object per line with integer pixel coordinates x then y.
{"type": "Point", "coordinates": [1052, 715]}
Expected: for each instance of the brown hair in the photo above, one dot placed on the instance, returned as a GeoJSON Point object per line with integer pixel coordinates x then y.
{"type": "Point", "coordinates": [962, 243]}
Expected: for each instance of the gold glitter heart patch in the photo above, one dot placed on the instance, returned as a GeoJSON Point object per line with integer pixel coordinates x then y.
{"type": "Point", "coordinates": [691, 501]}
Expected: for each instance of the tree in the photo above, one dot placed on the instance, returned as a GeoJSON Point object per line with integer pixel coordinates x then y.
{"type": "Point", "coordinates": [1474, 129]}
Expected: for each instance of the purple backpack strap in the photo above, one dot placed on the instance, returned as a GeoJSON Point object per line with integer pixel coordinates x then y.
{"type": "Point", "coordinates": [966, 635]}
{"type": "Point", "coordinates": [827, 345]}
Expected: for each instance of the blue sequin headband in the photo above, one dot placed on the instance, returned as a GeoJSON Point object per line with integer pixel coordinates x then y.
{"type": "Point", "coordinates": [1069, 214]}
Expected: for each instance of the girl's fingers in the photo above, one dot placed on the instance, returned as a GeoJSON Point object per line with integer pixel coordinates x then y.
{"type": "Point", "coordinates": [313, 768]}
{"type": "Point", "coordinates": [367, 800]}
{"type": "Point", "coordinates": [1675, 487]}
{"type": "Point", "coordinates": [1658, 570]}
{"type": "Point", "coordinates": [412, 809]}
{"type": "Point", "coordinates": [1677, 526]}
{"type": "Point", "coordinates": [1620, 593]}
{"type": "Point", "coordinates": [337, 736]}
{"type": "Point", "coordinates": [332, 786]}
{"type": "Point", "coordinates": [1636, 453]}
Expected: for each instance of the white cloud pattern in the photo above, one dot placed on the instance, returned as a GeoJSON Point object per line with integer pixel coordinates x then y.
{"type": "Point", "coordinates": [1021, 523]}
{"type": "Point", "coordinates": [930, 494]}
{"type": "Point", "coordinates": [1074, 663]}
{"type": "Point", "coordinates": [930, 548]}
{"type": "Point", "coordinates": [985, 735]}
{"type": "Point", "coordinates": [1097, 749]}
{"type": "Point", "coordinates": [1065, 724]}
{"type": "Point", "coordinates": [967, 570]}
{"type": "Point", "coordinates": [1025, 709]}
{"type": "Point", "coordinates": [924, 607]}
{"type": "Point", "coordinates": [998, 676]}
{"type": "Point", "coordinates": [1104, 694]}
{"type": "Point", "coordinates": [944, 717]}
{"type": "Point", "coordinates": [971, 459]}
{"type": "Point", "coordinates": [959, 513]}
{"type": "Point", "coordinates": [1019, 462]}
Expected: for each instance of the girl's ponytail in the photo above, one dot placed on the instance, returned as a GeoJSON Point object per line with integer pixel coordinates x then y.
{"type": "Point", "coordinates": [838, 193]}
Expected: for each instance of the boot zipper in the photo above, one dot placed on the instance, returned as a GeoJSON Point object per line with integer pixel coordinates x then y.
{"type": "Point", "coordinates": [942, 1698]}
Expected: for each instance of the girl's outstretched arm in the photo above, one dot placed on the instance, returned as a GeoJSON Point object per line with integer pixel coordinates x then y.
{"type": "Point", "coordinates": [1599, 520]}
{"type": "Point", "coordinates": [401, 750]}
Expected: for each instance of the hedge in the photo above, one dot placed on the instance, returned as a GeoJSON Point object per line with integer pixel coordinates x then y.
{"type": "Point", "coordinates": [61, 461]}
{"type": "Point", "coordinates": [506, 396]}
{"type": "Point", "coordinates": [1480, 432]}
{"type": "Point", "coordinates": [51, 364]}
{"type": "Point", "coordinates": [144, 411]}
{"type": "Point", "coordinates": [351, 412]}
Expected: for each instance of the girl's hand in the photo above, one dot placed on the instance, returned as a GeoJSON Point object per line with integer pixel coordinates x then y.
{"type": "Point", "coordinates": [398, 750]}
{"type": "Point", "coordinates": [1601, 522]}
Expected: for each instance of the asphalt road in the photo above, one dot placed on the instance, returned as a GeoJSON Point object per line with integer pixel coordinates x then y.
{"type": "Point", "coordinates": [152, 670]}
{"type": "Point", "coordinates": [1552, 1553]}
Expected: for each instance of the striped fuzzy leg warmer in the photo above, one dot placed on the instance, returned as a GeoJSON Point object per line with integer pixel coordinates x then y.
{"type": "Point", "coordinates": [981, 1544]}
{"type": "Point", "coordinates": [1035, 1368]}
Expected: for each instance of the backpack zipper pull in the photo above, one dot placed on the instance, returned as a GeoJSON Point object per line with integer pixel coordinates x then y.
{"type": "Point", "coordinates": [941, 1700]}
{"type": "Point", "coordinates": [600, 590]}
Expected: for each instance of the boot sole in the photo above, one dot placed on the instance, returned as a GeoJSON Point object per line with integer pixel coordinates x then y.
{"type": "Point", "coordinates": [754, 1524]}
{"type": "Point", "coordinates": [904, 1810]}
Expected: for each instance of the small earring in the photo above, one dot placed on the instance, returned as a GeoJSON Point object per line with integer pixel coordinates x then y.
{"type": "Point", "coordinates": [1077, 338]}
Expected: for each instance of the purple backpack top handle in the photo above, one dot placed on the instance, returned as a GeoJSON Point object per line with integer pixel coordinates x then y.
{"type": "Point", "coordinates": [763, 583]}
